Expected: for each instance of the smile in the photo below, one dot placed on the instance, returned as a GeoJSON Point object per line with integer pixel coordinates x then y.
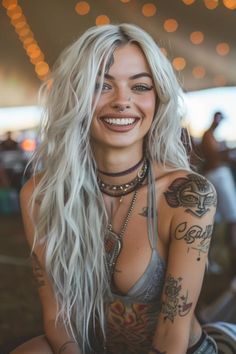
{"type": "Point", "coordinates": [120, 121]}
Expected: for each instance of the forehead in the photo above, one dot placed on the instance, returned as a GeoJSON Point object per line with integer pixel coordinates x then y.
{"type": "Point", "coordinates": [129, 59]}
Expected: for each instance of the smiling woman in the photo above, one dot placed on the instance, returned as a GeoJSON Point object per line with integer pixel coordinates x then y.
{"type": "Point", "coordinates": [114, 203]}
{"type": "Point", "coordinates": [126, 105]}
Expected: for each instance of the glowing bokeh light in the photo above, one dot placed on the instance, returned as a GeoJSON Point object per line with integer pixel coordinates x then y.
{"type": "Point", "coordinates": [42, 68]}
{"type": "Point", "coordinates": [82, 8]}
{"type": "Point", "coordinates": [149, 10]}
{"type": "Point", "coordinates": [9, 4]}
{"type": "Point", "coordinates": [15, 14]}
{"type": "Point", "coordinates": [38, 59]}
{"type": "Point", "coordinates": [26, 36]}
{"type": "Point", "coordinates": [102, 20]}
{"type": "Point", "coordinates": [222, 48]}
{"type": "Point", "coordinates": [230, 4]}
{"type": "Point", "coordinates": [198, 72]}
{"type": "Point", "coordinates": [188, 2]}
{"type": "Point", "coordinates": [211, 4]}
{"type": "Point", "coordinates": [27, 41]}
{"type": "Point", "coordinates": [28, 145]}
{"type": "Point", "coordinates": [18, 20]}
{"type": "Point", "coordinates": [170, 25]}
{"type": "Point", "coordinates": [196, 37]}
{"type": "Point", "coordinates": [179, 63]}
{"type": "Point", "coordinates": [20, 25]}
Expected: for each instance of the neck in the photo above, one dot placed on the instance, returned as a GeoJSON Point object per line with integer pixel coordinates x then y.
{"type": "Point", "coordinates": [115, 160]}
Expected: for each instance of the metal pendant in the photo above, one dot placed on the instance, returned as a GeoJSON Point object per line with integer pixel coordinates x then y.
{"type": "Point", "coordinates": [113, 245]}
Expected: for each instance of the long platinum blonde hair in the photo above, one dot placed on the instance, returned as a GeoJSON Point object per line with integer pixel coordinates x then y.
{"type": "Point", "coordinates": [72, 217]}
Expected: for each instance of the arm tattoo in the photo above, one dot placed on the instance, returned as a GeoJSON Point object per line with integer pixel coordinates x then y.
{"type": "Point", "coordinates": [37, 270]}
{"type": "Point", "coordinates": [174, 303]}
{"type": "Point", "coordinates": [64, 346]}
{"type": "Point", "coordinates": [192, 192]}
{"type": "Point", "coordinates": [195, 237]}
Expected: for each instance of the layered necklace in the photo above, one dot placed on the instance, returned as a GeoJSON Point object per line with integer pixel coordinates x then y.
{"type": "Point", "coordinates": [119, 190]}
{"type": "Point", "coordinates": [113, 241]}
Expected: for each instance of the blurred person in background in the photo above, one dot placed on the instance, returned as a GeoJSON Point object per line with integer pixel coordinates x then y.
{"type": "Point", "coordinates": [9, 144]}
{"type": "Point", "coordinates": [217, 168]}
{"type": "Point", "coordinates": [12, 160]}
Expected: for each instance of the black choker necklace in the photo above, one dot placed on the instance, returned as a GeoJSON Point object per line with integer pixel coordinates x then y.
{"type": "Point", "coordinates": [122, 173]}
{"type": "Point", "coordinates": [118, 190]}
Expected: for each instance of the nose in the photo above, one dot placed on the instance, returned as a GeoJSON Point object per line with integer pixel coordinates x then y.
{"type": "Point", "coordinates": [121, 101]}
{"type": "Point", "coordinates": [120, 107]}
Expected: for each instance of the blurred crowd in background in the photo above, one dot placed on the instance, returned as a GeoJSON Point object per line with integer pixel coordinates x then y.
{"type": "Point", "coordinates": [16, 150]}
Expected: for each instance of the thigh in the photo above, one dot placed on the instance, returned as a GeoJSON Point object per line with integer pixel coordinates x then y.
{"type": "Point", "coordinates": [37, 345]}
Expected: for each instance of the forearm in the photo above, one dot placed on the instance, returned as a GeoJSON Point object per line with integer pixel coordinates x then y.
{"type": "Point", "coordinates": [60, 341]}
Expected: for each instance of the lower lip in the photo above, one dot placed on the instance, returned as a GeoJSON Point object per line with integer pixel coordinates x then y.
{"type": "Point", "coordinates": [119, 128]}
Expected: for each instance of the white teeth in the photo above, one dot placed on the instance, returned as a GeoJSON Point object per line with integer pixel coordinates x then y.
{"type": "Point", "coordinates": [120, 121]}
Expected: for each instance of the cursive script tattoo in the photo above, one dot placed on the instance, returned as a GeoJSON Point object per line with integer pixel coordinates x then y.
{"type": "Point", "coordinates": [174, 303]}
{"type": "Point", "coordinates": [37, 270]}
{"type": "Point", "coordinates": [195, 237]}
{"type": "Point", "coordinates": [192, 192]}
{"type": "Point", "coordinates": [65, 346]}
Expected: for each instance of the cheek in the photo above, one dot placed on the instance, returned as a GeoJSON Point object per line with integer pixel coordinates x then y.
{"type": "Point", "coordinates": [101, 103]}
{"type": "Point", "coordinates": [148, 104]}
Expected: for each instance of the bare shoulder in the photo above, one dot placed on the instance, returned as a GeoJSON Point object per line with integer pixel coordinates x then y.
{"type": "Point", "coordinates": [29, 187]}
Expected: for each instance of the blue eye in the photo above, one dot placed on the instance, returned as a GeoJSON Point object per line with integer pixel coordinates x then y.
{"type": "Point", "coordinates": [141, 87]}
{"type": "Point", "coordinates": [105, 86]}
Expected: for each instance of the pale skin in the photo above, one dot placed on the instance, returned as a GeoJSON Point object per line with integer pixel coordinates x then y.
{"type": "Point", "coordinates": [128, 91]}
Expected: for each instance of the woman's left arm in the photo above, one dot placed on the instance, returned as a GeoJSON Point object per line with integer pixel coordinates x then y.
{"type": "Point", "coordinates": [191, 200]}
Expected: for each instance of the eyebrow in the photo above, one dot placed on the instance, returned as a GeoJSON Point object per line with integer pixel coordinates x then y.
{"type": "Point", "coordinates": [133, 77]}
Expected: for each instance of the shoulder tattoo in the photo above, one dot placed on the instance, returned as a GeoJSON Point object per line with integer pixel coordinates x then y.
{"type": "Point", "coordinates": [192, 192]}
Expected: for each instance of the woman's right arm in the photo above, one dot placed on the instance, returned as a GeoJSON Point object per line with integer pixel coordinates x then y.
{"type": "Point", "coordinates": [60, 341]}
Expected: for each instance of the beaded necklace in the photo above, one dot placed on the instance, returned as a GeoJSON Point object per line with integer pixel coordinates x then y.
{"type": "Point", "coordinates": [118, 190]}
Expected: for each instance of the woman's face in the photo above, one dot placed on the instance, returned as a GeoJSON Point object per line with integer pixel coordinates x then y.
{"type": "Point", "coordinates": [126, 106]}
